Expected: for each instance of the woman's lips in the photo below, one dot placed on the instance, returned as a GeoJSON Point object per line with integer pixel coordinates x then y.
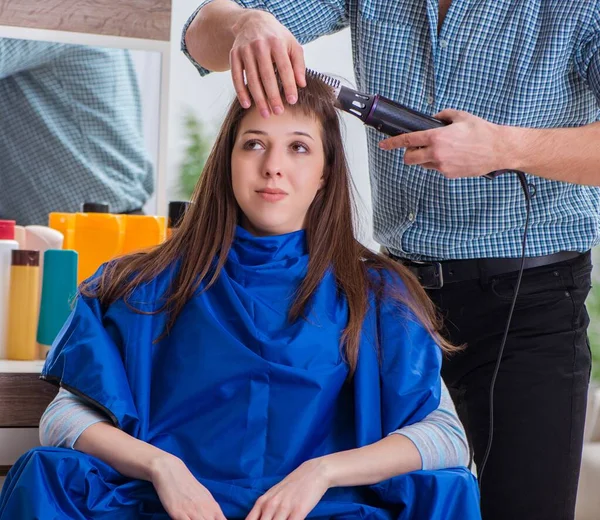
{"type": "Point", "coordinates": [271, 195]}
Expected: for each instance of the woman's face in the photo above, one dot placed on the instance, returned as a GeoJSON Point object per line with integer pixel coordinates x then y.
{"type": "Point", "coordinates": [276, 170]}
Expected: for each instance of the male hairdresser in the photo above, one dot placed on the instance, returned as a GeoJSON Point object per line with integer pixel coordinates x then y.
{"type": "Point", "coordinates": [523, 82]}
{"type": "Point", "coordinates": [70, 130]}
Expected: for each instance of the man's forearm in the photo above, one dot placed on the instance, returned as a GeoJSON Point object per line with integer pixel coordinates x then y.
{"type": "Point", "coordinates": [210, 35]}
{"type": "Point", "coordinates": [562, 154]}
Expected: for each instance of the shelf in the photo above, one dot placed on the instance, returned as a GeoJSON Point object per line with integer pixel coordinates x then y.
{"type": "Point", "coordinates": [148, 19]}
{"type": "Point", "coordinates": [21, 367]}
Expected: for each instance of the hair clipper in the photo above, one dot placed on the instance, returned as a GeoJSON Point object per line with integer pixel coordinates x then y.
{"type": "Point", "coordinates": [378, 112]}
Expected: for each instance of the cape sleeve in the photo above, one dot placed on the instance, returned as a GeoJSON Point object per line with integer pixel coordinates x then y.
{"type": "Point", "coordinates": [410, 368]}
{"type": "Point", "coordinates": [86, 360]}
{"type": "Point", "coordinates": [397, 381]}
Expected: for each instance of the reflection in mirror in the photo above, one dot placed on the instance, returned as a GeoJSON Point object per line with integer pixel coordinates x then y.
{"type": "Point", "coordinates": [78, 124]}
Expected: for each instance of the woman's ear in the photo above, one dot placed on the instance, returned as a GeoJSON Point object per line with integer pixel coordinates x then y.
{"type": "Point", "coordinates": [322, 182]}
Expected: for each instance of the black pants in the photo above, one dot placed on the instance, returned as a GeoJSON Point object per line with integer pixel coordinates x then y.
{"type": "Point", "coordinates": [541, 390]}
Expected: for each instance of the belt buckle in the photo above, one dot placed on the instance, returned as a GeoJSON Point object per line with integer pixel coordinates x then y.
{"type": "Point", "coordinates": [432, 278]}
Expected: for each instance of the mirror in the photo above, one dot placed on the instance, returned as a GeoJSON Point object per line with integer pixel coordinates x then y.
{"type": "Point", "coordinates": [79, 123]}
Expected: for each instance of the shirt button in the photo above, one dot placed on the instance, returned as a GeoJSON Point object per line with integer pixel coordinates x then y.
{"type": "Point", "coordinates": [443, 44]}
{"type": "Point", "coordinates": [411, 217]}
{"type": "Point", "coordinates": [430, 100]}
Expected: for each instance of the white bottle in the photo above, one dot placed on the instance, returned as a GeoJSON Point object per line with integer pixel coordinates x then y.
{"type": "Point", "coordinates": [7, 244]}
{"type": "Point", "coordinates": [20, 236]}
{"type": "Point", "coordinates": [42, 238]}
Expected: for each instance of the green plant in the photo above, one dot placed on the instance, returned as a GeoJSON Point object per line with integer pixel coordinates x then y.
{"type": "Point", "coordinates": [593, 306]}
{"type": "Point", "coordinates": [196, 153]}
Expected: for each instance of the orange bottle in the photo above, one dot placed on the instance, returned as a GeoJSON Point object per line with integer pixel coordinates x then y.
{"type": "Point", "coordinates": [143, 231]}
{"type": "Point", "coordinates": [98, 237]}
{"type": "Point", "coordinates": [65, 223]}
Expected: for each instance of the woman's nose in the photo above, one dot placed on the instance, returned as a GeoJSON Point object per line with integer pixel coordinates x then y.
{"type": "Point", "coordinates": [273, 165]}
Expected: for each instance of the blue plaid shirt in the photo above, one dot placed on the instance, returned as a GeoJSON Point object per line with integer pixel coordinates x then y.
{"type": "Point", "coordinates": [70, 130]}
{"type": "Point", "coordinates": [512, 62]}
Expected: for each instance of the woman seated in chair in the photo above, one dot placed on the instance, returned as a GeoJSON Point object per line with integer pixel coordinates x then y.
{"type": "Point", "coordinates": [260, 364]}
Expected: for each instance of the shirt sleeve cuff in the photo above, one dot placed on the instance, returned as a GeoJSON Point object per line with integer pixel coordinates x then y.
{"type": "Point", "coordinates": [248, 4]}
{"type": "Point", "coordinates": [203, 71]}
{"type": "Point", "coordinates": [85, 427]}
{"type": "Point", "coordinates": [417, 441]}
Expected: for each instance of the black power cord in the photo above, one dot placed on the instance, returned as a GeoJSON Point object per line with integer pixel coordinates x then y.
{"type": "Point", "coordinates": [525, 186]}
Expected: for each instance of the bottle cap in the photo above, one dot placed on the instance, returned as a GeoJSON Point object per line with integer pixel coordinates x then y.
{"type": "Point", "coordinates": [95, 207]}
{"type": "Point", "coordinates": [25, 257]}
{"type": "Point", "coordinates": [7, 229]}
{"type": "Point", "coordinates": [177, 209]}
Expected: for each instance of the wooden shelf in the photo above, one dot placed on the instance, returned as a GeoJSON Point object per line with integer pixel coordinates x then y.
{"type": "Point", "coordinates": [147, 19]}
{"type": "Point", "coordinates": [23, 395]}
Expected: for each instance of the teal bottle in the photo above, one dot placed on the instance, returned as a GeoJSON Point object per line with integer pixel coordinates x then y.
{"type": "Point", "coordinates": [59, 287]}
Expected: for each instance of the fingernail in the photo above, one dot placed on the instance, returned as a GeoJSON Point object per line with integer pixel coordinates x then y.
{"type": "Point", "coordinates": [246, 103]}
{"type": "Point", "coordinates": [383, 146]}
{"type": "Point", "coordinates": [291, 99]}
{"type": "Point", "coordinates": [265, 113]}
{"type": "Point", "coordinates": [277, 110]}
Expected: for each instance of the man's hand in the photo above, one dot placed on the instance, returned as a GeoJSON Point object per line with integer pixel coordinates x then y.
{"type": "Point", "coordinates": [469, 147]}
{"type": "Point", "coordinates": [295, 496]}
{"type": "Point", "coordinates": [261, 41]}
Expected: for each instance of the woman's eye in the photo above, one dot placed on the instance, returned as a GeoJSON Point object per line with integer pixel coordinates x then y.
{"type": "Point", "coordinates": [252, 145]}
{"type": "Point", "coordinates": [299, 147]}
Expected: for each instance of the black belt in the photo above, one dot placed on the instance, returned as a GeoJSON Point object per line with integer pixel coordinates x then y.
{"type": "Point", "coordinates": [434, 275]}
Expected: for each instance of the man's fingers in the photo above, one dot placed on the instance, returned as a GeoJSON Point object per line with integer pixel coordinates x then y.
{"type": "Point", "coordinates": [255, 85]}
{"type": "Point", "coordinates": [297, 58]}
{"type": "Point", "coordinates": [449, 115]}
{"type": "Point", "coordinates": [269, 82]}
{"type": "Point", "coordinates": [286, 73]}
{"type": "Point", "coordinates": [411, 140]}
{"type": "Point", "coordinates": [430, 166]}
{"type": "Point", "coordinates": [237, 74]}
{"type": "Point", "coordinates": [417, 156]}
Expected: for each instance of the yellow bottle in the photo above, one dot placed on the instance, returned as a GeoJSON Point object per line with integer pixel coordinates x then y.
{"type": "Point", "coordinates": [24, 305]}
{"type": "Point", "coordinates": [143, 231]}
{"type": "Point", "coordinates": [98, 238]}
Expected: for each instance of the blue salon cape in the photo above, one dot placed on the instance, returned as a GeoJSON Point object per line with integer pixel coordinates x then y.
{"type": "Point", "coordinates": [241, 395]}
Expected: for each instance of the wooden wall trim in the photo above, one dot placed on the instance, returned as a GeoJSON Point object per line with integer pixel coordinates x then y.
{"type": "Point", "coordinates": [23, 399]}
{"type": "Point", "coordinates": [149, 19]}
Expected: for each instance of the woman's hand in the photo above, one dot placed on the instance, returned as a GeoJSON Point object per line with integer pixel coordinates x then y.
{"type": "Point", "coordinates": [182, 496]}
{"type": "Point", "coordinates": [295, 496]}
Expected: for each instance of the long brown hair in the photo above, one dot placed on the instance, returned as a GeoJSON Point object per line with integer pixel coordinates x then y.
{"type": "Point", "coordinates": [208, 228]}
